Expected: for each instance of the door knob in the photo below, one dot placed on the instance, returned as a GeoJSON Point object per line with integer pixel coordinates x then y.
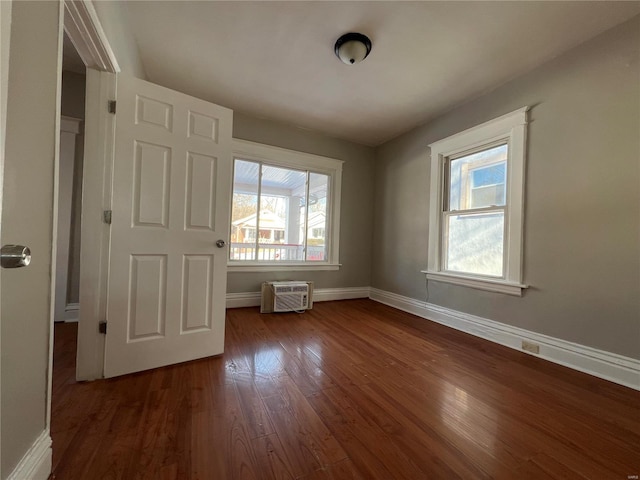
{"type": "Point", "coordinates": [220, 243]}
{"type": "Point", "coordinates": [14, 256]}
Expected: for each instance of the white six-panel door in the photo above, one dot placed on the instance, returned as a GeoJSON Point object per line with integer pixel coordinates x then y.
{"type": "Point", "coordinates": [171, 196]}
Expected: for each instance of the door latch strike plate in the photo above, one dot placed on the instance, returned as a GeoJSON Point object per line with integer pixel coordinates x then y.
{"type": "Point", "coordinates": [106, 216]}
{"type": "Point", "coordinates": [102, 327]}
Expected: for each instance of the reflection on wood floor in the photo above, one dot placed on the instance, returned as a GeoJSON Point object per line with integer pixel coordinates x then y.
{"type": "Point", "coordinates": [351, 389]}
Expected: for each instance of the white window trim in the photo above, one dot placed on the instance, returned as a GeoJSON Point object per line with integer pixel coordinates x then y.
{"type": "Point", "coordinates": [282, 157]}
{"type": "Point", "coordinates": [512, 128]}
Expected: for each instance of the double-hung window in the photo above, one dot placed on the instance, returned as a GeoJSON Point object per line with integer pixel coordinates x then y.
{"type": "Point", "coordinates": [477, 207]}
{"type": "Point", "coordinates": [285, 212]}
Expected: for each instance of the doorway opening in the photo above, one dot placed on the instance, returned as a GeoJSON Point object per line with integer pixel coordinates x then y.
{"type": "Point", "coordinates": [70, 166]}
{"type": "Point", "coordinates": [68, 239]}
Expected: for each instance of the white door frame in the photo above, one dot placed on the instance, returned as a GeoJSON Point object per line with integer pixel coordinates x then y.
{"type": "Point", "coordinates": [83, 27]}
{"type": "Point", "coordinates": [96, 198]}
{"type": "Point", "coordinates": [85, 32]}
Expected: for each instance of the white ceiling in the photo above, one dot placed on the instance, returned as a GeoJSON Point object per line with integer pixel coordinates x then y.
{"type": "Point", "coordinates": [276, 59]}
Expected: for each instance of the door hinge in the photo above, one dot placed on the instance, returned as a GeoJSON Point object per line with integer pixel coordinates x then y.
{"type": "Point", "coordinates": [112, 106]}
{"type": "Point", "coordinates": [102, 327]}
{"type": "Point", "coordinates": [106, 216]}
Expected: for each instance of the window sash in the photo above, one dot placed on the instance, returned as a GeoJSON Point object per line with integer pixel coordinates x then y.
{"type": "Point", "coordinates": [444, 238]}
{"type": "Point", "coordinates": [472, 212]}
{"type": "Point", "coordinates": [329, 208]}
{"type": "Point", "coordinates": [331, 169]}
{"type": "Point", "coordinates": [466, 182]}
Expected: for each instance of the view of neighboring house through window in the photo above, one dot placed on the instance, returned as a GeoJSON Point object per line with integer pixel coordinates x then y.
{"type": "Point", "coordinates": [278, 214]}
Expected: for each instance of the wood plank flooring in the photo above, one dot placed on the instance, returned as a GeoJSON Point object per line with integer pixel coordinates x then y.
{"type": "Point", "coordinates": [349, 390]}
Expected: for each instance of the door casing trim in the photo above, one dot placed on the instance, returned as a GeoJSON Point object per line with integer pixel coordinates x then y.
{"type": "Point", "coordinates": [82, 25]}
{"type": "Point", "coordinates": [94, 248]}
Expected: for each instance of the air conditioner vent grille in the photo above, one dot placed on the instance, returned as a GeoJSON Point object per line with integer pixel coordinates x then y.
{"type": "Point", "coordinates": [293, 296]}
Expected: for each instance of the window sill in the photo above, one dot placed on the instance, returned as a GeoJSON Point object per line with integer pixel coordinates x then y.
{"type": "Point", "coordinates": [287, 267]}
{"type": "Point", "coordinates": [489, 285]}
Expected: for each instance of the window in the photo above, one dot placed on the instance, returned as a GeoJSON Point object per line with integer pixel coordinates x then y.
{"type": "Point", "coordinates": [292, 200]}
{"type": "Point", "coordinates": [476, 210]}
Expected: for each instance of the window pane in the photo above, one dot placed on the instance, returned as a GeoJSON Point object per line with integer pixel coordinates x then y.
{"type": "Point", "coordinates": [317, 224]}
{"type": "Point", "coordinates": [243, 210]}
{"type": "Point", "coordinates": [475, 243]}
{"type": "Point", "coordinates": [478, 180]}
{"type": "Point", "coordinates": [282, 201]}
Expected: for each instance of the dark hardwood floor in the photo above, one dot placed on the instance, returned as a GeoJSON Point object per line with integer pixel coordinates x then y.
{"type": "Point", "coordinates": [349, 390]}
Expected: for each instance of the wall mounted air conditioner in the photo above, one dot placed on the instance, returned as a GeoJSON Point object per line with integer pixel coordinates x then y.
{"type": "Point", "coordinates": [286, 296]}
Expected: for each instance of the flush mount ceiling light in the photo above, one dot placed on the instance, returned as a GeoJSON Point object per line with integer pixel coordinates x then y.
{"type": "Point", "coordinates": [352, 48]}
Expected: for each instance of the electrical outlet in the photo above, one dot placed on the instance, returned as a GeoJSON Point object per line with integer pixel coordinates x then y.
{"type": "Point", "coordinates": [530, 347]}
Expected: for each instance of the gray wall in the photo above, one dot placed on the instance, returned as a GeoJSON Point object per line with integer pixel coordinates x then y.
{"type": "Point", "coordinates": [5, 40]}
{"type": "Point", "coordinates": [27, 218]}
{"type": "Point", "coordinates": [582, 219]}
{"type": "Point", "coordinates": [356, 217]}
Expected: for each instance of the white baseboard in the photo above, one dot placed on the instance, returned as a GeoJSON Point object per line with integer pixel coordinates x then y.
{"type": "Point", "coordinates": [348, 293]}
{"type": "Point", "coordinates": [243, 299]}
{"type": "Point", "coordinates": [252, 299]}
{"type": "Point", "coordinates": [36, 463]}
{"type": "Point", "coordinates": [609, 366]}
{"type": "Point", "coordinates": [72, 312]}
